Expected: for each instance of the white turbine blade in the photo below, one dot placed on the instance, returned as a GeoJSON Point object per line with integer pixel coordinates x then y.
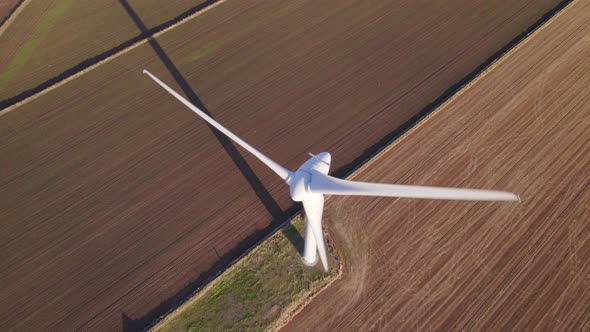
{"type": "Point", "coordinates": [280, 170]}
{"type": "Point", "coordinates": [314, 208]}
{"type": "Point", "coordinates": [325, 184]}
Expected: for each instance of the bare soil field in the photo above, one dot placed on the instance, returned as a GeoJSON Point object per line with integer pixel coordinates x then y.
{"type": "Point", "coordinates": [52, 36]}
{"type": "Point", "coordinates": [435, 265]}
{"type": "Point", "coordinates": [116, 202]}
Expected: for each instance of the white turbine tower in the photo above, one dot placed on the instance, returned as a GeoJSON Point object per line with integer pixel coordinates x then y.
{"type": "Point", "coordinates": [311, 181]}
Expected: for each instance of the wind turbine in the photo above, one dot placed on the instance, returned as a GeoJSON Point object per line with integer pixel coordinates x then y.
{"type": "Point", "coordinates": [311, 181]}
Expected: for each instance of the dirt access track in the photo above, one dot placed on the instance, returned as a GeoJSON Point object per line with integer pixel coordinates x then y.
{"type": "Point", "coordinates": [435, 265]}
{"type": "Point", "coordinates": [116, 202]}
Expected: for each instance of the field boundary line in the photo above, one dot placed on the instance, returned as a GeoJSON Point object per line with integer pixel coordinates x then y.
{"type": "Point", "coordinates": [466, 87]}
{"type": "Point", "coordinates": [12, 15]}
{"type": "Point", "coordinates": [109, 58]}
{"type": "Point", "coordinates": [283, 321]}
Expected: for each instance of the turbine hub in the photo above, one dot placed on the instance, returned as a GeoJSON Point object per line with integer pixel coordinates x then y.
{"type": "Point", "coordinates": [299, 186]}
{"type": "Point", "coordinates": [301, 179]}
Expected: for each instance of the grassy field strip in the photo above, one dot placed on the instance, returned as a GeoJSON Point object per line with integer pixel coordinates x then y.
{"type": "Point", "coordinates": [14, 15]}
{"type": "Point", "coordinates": [262, 290]}
{"type": "Point", "coordinates": [98, 64]}
{"type": "Point", "coordinates": [307, 297]}
{"type": "Point", "coordinates": [456, 95]}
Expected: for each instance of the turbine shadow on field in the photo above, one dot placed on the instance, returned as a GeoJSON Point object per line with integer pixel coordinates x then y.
{"type": "Point", "coordinates": [278, 215]}
{"type": "Point", "coordinates": [269, 203]}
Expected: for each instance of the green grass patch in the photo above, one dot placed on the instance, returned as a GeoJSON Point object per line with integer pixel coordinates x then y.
{"type": "Point", "coordinates": [266, 286]}
{"type": "Point", "coordinates": [203, 52]}
{"type": "Point", "coordinates": [24, 53]}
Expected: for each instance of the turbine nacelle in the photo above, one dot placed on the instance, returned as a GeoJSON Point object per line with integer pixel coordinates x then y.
{"type": "Point", "coordinates": [300, 181]}
{"type": "Point", "coordinates": [320, 162]}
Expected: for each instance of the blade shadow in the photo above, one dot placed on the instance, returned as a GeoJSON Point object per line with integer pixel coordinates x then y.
{"type": "Point", "coordinates": [269, 203]}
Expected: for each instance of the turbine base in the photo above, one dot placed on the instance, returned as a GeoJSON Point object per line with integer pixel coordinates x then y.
{"type": "Point", "coordinates": [307, 263]}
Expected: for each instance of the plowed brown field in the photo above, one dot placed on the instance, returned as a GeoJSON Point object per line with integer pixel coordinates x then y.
{"type": "Point", "coordinates": [52, 36]}
{"type": "Point", "coordinates": [116, 202]}
{"type": "Point", "coordinates": [434, 265]}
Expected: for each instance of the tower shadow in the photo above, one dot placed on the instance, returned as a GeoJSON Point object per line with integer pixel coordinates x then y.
{"type": "Point", "coordinates": [269, 203]}
{"type": "Point", "coordinates": [277, 214]}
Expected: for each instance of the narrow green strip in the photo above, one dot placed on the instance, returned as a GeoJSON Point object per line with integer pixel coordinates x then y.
{"type": "Point", "coordinates": [203, 52]}
{"type": "Point", "coordinates": [264, 287]}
